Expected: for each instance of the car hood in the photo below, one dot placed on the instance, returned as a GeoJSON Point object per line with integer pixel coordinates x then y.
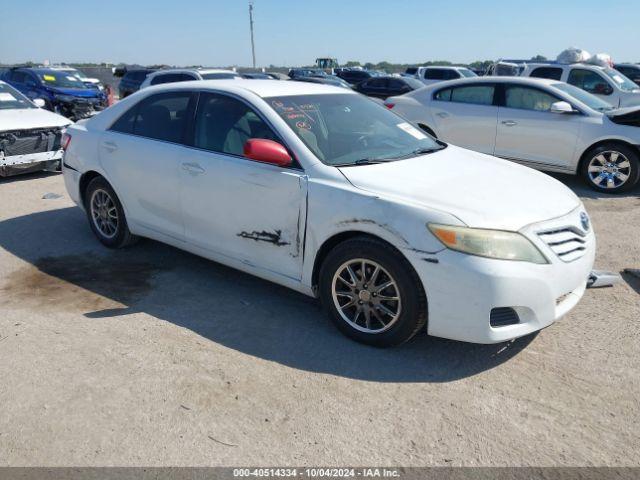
{"type": "Point", "coordinates": [76, 92]}
{"type": "Point", "coordinates": [625, 116]}
{"type": "Point", "coordinates": [23, 119]}
{"type": "Point", "coordinates": [480, 190]}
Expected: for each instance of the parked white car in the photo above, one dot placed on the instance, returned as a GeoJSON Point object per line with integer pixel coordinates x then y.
{"type": "Point", "coordinates": [544, 124]}
{"type": "Point", "coordinates": [324, 191]}
{"type": "Point", "coordinates": [606, 83]}
{"type": "Point", "coordinates": [187, 74]}
{"type": "Point", "coordinates": [30, 137]}
{"type": "Point", "coordinates": [430, 75]}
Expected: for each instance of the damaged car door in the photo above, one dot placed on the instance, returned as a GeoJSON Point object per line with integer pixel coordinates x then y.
{"type": "Point", "coordinates": [251, 211]}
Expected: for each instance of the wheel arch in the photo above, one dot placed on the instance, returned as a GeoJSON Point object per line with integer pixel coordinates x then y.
{"type": "Point", "coordinates": [85, 180]}
{"type": "Point", "coordinates": [619, 141]}
{"type": "Point", "coordinates": [338, 238]}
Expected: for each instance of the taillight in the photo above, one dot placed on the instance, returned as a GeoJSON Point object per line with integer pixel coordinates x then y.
{"type": "Point", "coordinates": [389, 105]}
{"type": "Point", "coordinates": [66, 141]}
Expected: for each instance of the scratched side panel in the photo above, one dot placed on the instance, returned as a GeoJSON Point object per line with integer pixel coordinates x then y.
{"type": "Point", "coordinates": [249, 211]}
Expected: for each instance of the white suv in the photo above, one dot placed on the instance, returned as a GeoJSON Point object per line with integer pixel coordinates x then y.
{"type": "Point", "coordinates": [187, 74]}
{"type": "Point", "coordinates": [429, 75]}
{"type": "Point", "coordinates": [608, 84]}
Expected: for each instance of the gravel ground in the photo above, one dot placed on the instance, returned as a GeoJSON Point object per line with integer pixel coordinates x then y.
{"type": "Point", "coordinates": [152, 356]}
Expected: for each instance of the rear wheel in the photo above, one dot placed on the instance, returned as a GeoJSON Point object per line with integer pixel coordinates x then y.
{"type": "Point", "coordinates": [611, 168]}
{"type": "Point", "coordinates": [106, 215]}
{"type": "Point", "coordinates": [372, 293]}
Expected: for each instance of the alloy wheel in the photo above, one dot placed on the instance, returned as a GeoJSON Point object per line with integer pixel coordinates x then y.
{"type": "Point", "coordinates": [366, 296]}
{"type": "Point", "coordinates": [104, 213]}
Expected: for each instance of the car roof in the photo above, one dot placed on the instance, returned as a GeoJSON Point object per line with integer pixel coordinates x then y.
{"type": "Point", "coordinates": [264, 88]}
{"type": "Point", "coordinates": [193, 70]}
{"type": "Point", "coordinates": [492, 79]}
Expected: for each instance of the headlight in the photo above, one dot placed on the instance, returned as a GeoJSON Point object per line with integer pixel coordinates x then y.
{"type": "Point", "coordinates": [488, 243]}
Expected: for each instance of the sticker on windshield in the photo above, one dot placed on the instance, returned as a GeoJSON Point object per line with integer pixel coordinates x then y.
{"type": "Point", "coordinates": [411, 130]}
{"type": "Point", "coordinates": [7, 97]}
{"type": "Point", "coordinates": [618, 78]}
{"type": "Point", "coordinates": [72, 78]}
{"type": "Point", "coordinates": [49, 78]}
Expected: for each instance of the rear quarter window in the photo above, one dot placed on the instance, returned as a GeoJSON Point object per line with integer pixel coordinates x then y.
{"type": "Point", "coordinates": [552, 73]}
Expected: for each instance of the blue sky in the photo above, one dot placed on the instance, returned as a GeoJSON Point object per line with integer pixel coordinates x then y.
{"type": "Point", "coordinates": [293, 32]}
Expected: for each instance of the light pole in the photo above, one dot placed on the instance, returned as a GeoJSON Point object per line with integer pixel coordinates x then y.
{"type": "Point", "coordinates": [253, 46]}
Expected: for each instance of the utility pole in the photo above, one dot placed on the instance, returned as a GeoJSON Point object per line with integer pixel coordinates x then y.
{"type": "Point", "coordinates": [253, 46]}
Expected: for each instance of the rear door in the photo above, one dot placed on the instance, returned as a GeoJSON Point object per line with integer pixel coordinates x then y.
{"type": "Point", "coordinates": [246, 210]}
{"type": "Point", "coordinates": [142, 153]}
{"type": "Point", "coordinates": [528, 131]}
{"type": "Point", "coordinates": [466, 116]}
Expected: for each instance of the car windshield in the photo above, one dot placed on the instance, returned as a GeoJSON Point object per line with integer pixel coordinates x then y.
{"type": "Point", "coordinates": [588, 99]}
{"type": "Point", "coordinates": [61, 79]}
{"type": "Point", "coordinates": [348, 129]}
{"type": "Point", "coordinates": [465, 72]}
{"type": "Point", "coordinates": [218, 76]}
{"type": "Point", "coordinates": [76, 73]}
{"type": "Point", "coordinates": [624, 83]}
{"type": "Point", "coordinates": [10, 98]}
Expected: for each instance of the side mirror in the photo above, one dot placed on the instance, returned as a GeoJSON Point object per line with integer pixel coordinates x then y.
{"type": "Point", "coordinates": [267, 151]}
{"type": "Point", "coordinates": [39, 102]}
{"type": "Point", "coordinates": [561, 107]}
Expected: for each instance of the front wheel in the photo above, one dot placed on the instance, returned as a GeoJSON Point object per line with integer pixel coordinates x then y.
{"type": "Point", "coordinates": [106, 215]}
{"type": "Point", "coordinates": [611, 168]}
{"type": "Point", "coordinates": [372, 293]}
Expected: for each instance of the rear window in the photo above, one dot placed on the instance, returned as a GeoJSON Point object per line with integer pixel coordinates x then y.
{"type": "Point", "coordinates": [161, 117]}
{"type": "Point", "coordinates": [552, 73]}
{"type": "Point", "coordinates": [171, 78]}
{"type": "Point", "coordinates": [218, 76]}
{"type": "Point", "coordinates": [411, 71]}
{"type": "Point", "coordinates": [476, 95]}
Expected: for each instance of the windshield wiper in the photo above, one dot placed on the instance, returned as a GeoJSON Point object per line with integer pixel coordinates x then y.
{"type": "Point", "coordinates": [362, 161]}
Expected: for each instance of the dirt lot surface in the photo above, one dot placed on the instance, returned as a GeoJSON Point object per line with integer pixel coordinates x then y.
{"type": "Point", "coordinates": [152, 356]}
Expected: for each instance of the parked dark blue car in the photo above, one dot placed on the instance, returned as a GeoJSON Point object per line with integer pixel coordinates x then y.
{"type": "Point", "coordinates": [62, 92]}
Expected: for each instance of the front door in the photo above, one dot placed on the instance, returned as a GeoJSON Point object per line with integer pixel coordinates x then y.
{"type": "Point", "coordinates": [529, 131]}
{"type": "Point", "coordinates": [246, 210]}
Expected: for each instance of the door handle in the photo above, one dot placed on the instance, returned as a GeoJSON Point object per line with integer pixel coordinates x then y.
{"type": "Point", "coordinates": [509, 123]}
{"type": "Point", "coordinates": [193, 168]}
{"type": "Point", "coordinates": [442, 114]}
{"type": "Point", "coordinates": [109, 146]}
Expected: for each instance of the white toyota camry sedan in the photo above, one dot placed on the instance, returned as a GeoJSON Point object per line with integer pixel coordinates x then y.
{"type": "Point", "coordinates": [327, 192]}
{"type": "Point", "coordinates": [544, 124]}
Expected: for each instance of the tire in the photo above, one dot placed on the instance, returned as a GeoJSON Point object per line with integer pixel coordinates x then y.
{"type": "Point", "coordinates": [108, 223]}
{"type": "Point", "coordinates": [335, 293]}
{"type": "Point", "coordinates": [611, 168]}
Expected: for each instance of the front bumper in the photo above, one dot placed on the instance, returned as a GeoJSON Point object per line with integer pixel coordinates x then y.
{"type": "Point", "coordinates": [463, 289]}
{"type": "Point", "coordinates": [20, 163]}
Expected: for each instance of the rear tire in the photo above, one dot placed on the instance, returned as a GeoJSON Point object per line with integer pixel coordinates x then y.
{"type": "Point", "coordinates": [106, 215]}
{"type": "Point", "coordinates": [611, 168]}
{"type": "Point", "coordinates": [349, 284]}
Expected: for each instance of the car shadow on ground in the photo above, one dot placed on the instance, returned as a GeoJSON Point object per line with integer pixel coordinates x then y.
{"type": "Point", "coordinates": [580, 188]}
{"type": "Point", "coordinates": [68, 270]}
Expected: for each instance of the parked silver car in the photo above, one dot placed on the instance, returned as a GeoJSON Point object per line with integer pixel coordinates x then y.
{"type": "Point", "coordinates": [545, 124]}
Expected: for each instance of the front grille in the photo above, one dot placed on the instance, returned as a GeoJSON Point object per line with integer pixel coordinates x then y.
{"type": "Point", "coordinates": [567, 243]}
{"type": "Point", "coordinates": [503, 316]}
{"type": "Point", "coordinates": [25, 142]}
